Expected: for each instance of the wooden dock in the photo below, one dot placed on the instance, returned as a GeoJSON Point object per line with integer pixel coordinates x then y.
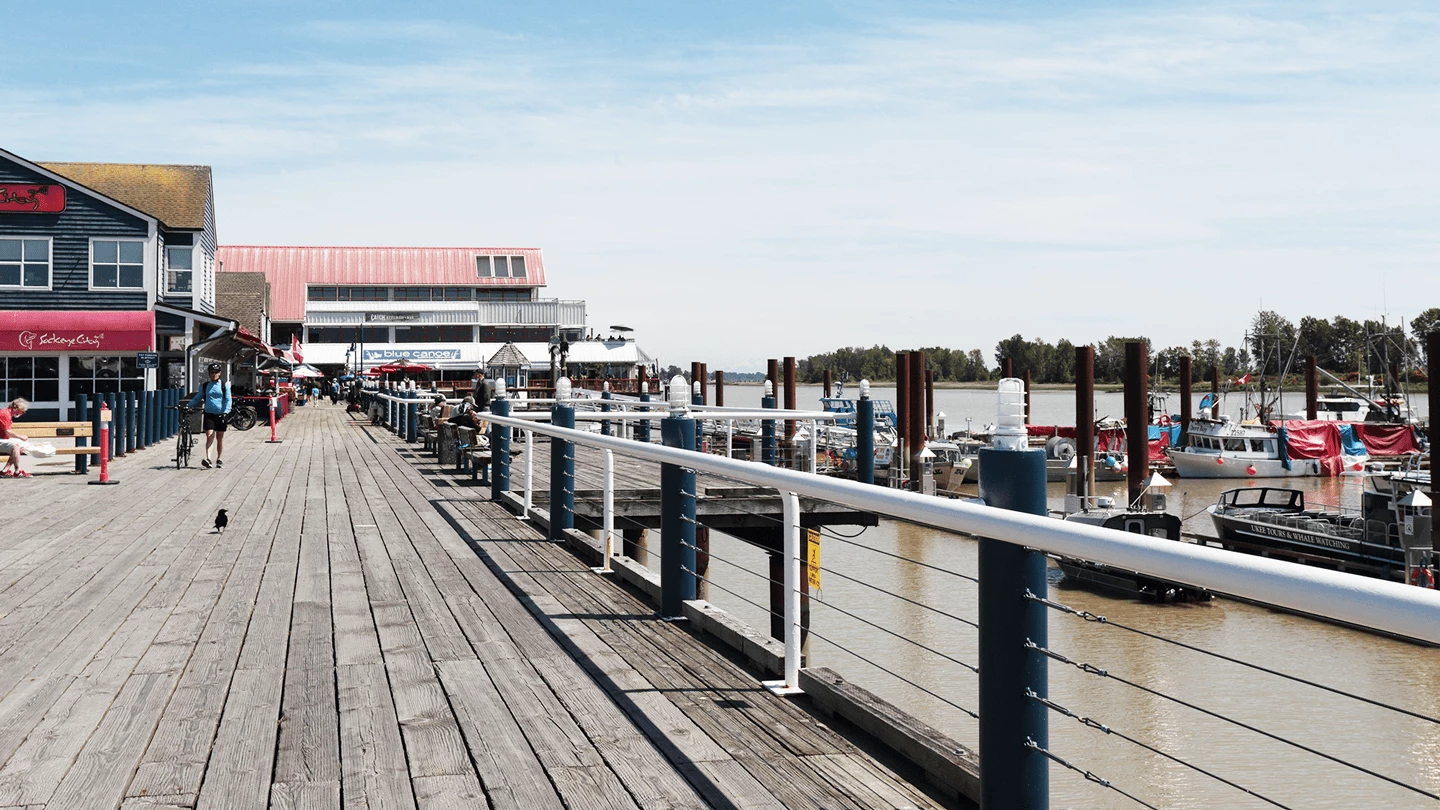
{"type": "Point", "coordinates": [367, 633]}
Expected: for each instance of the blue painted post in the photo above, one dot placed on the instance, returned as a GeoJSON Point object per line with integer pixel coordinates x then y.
{"type": "Point", "coordinates": [172, 400]}
{"type": "Point", "coordinates": [82, 414]}
{"type": "Point", "coordinates": [132, 412]}
{"type": "Point", "coordinates": [155, 412]}
{"type": "Point", "coordinates": [142, 420]}
{"type": "Point", "coordinates": [677, 511]}
{"type": "Point", "coordinates": [865, 436]}
{"type": "Point", "coordinates": [642, 427]}
{"type": "Point", "coordinates": [767, 427]}
{"type": "Point", "coordinates": [412, 426]}
{"type": "Point", "coordinates": [1011, 773]}
{"type": "Point", "coordinates": [95, 401]}
{"type": "Point", "coordinates": [605, 396]}
{"type": "Point", "coordinates": [499, 445]}
{"type": "Point", "coordinates": [697, 397]}
{"type": "Point", "coordinates": [114, 433]}
{"type": "Point", "coordinates": [562, 465]}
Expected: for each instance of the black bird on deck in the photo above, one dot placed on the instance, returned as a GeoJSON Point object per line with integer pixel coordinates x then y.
{"type": "Point", "coordinates": [221, 521]}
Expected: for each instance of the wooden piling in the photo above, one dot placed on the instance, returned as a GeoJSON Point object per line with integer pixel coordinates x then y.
{"type": "Point", "coordinates": [1137, 418]}
{"type": "Point", "coordinates": [694, 378]}
{"type": "Point", "coordinates": [719, 389]}
{"type": "Point", "coordinates": [1027, 396]}
{"type": "Point", "coordinates": [1085, 420]}
{"type": "Point", "coordinates": [902, 396]}
{"type": "Point", "coordinates": [828, 380]}
{"type": "Point", "coordinates": [917, 415]}
{"type": "Point", "coordinates": [704, 384]}
{"type": "Point", "coordinates": [1007, 367]}
{"type": "Point", "coordinates": [1312, 388]}
{"type": "Point", "coordinates": [790, 399]}
{"type": "Point", "coordinates": [930, 403]}
{"type": "Point", "coordinates": [1187, 393]}
{"type": "Point", "coordinates": [1432, 383]}
{"type": "Point", "coordinates": [642, 385]}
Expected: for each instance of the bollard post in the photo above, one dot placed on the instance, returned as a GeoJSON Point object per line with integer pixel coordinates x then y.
{"type": "Point", "coordinates": [103, 418]}
{"type": "Point", "coordinates": [107, 402]}
{"type": "Point", "coordinates": [499, 445]}
{"type": "Point", "coordinates": [865, 436]}
{"type": "Point", "coordinates": [130, 422]}
{"type": "Point", "coordinates": [767, 427]}
{"type": "Point", "coordinates": [607, 514]}
{"type": "Point", "coordinates": [142, 413]}
{"type": "Point", "coordinates": [82, 414]}
{"type": "Point", "coordinates": [272, 408]}
{"type": "Point", "coordinates": [698, 398]}
{"type": "Point", "coordinates": [152, 399]}
{"type": "Point", "coordinates": [1012, 774]}
{"type": "Point", "coordinates": [562, 464]}
{"type": "Point", "coordinates": [677, 510]}
{"type": "Point", "coordinates": [412, 418]}
{"type": "Point", "coordinates": [117, 425]}
{"type": "Point", "coordinates": [605, 397]}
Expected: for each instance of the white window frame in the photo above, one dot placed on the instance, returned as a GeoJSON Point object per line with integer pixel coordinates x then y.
{"type": "Point", "coordinates": [50, 276]}
{"type": "Point", "coordinates": [169, 290]}
{"type": "Point", "coordinates": [145, 251]}
{"type": "Point", "coordinates": [489, 266]}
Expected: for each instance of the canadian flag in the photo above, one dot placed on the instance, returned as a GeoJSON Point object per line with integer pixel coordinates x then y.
{"type": "Point", "coordinates": [1243, 380]}
{"type": "Point", "coordinates": [299, 358]}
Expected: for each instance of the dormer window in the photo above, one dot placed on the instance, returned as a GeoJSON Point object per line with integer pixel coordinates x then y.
{"type": "Point", "coordinates": [500, 266]}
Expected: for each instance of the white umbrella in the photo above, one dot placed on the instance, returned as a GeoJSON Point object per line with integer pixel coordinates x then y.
{"type": "Point", "coordinates": [303, 371]}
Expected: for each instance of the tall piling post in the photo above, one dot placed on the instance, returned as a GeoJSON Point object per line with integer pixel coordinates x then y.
{"type": "Point", "coordinates": [828, 380]}
{"type": "Point", "coordinates": [82, 414]}
{"type": "Point", "coordinates": [642, 427]}
{"type": "Point", "coordinates": [1432, 381]}
{"type": "Point", "coordinates": [719, 388]}
{"type": "Point", "coordinates": [865, 435]}
{"type": "Point", "coordinates": [1085, 421]}
{"type": "Point", "coordinates": [677, 509]}
{"type": "Point", "coordinates": [1007, 368]}
{"type": "Point", "coordinates": [902, 405]}
{"type": "Point", "coordinates": [1312, 388]}
{"type": "Point", "coordinates": [698, 398]}
{"type": "Point", "coordinates": [767, 427]}
{"type": "Point", "coordinates": [917, 417]}
{"type": "Point", "coordinates": [1137, 418]}
{"type": "Point", "coordinates": [704, 384]}
{"type": "Point", "coordinates": [790, 404]}
{"type": "Point", "coordinates": [1013, 774]}
{"type": "Point", "coordinates": [930, 402]}
{"type": "Point", "coordinates": [562, 464]}
{"type": "Point", "coordinates": [1187, 393]}
{"type": "Point", "coordinates": [499, 444]}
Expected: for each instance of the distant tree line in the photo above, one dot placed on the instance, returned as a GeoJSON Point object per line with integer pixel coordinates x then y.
{"type": "Point", "coordinates": [1340, 345]}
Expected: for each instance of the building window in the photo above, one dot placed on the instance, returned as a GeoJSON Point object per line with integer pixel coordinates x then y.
{"type": "Point", "coordinates": [34, 378]}
{"type": "Point", "coordinates": [321, 294]}
{"type": "Point", "coordinates": [364, 293]}
{"type": "Point", "coordinates": [348, 334]}
{"type": "Point", "coordinates": [517, 267]}
{"type": "Point", "coordinates": [180, 261]}
{"type": "Point", "coordinates": [502, 295]}
{"type": "Point", "coordinates": [458, 293]}
{"type": "Point", "coordinates": [103, 375]}
{"type": "Point", "coordinates": [412, 293]}
{"type": "Point", "coordinates": [500, 266]}
{"type": "Point", "coordinates": [515, 334]}
{"type": "Point", "coordinates": [117, 264]}
{"type": "Point", "coordinates": [434, 334]}
{"type": "Point", "coordinates": [25, 263]}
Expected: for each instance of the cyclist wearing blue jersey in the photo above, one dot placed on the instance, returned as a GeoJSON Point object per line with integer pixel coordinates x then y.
{"type": "Point", "coordinates": [216, 396]}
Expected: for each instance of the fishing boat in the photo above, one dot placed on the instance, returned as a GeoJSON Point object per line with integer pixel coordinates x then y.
{"type": "Point", "coordinates": [1154, 522]}
{"type": "Point", "coordinates": [1220, 448]}
{"type": "Point", "coordinates": [1388, 537]}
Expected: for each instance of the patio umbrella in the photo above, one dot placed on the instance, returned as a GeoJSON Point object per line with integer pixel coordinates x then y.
{"type": "Point", "coordinates": [306, 371]}
{"type": "Point", "coordinates": [400, 367]}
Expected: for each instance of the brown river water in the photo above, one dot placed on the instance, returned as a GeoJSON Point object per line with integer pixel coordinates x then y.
{"type": "Point", "coordinates": [1386, 670]}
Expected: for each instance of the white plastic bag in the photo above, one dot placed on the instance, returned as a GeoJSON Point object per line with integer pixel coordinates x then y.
{"type": "Point", "coordinates": [38, 449]}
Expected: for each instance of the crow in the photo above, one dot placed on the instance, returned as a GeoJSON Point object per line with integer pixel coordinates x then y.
{"type": "Point", "coordinates": [221, 521]}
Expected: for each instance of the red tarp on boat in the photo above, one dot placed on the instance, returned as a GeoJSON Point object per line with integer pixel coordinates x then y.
{"type": "Point", "coordinates": [1307, 439]}
{"type": "Point", "coordinates": [1386, 440]}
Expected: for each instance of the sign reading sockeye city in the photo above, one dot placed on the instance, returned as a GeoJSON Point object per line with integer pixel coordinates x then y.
{"type": "Point", "coordinates": [28, 198]}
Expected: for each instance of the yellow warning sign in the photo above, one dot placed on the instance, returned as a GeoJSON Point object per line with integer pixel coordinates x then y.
{"type": "Point", "coordinates": [812, 560]}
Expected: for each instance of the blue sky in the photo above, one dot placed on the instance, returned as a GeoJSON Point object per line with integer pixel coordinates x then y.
{"type": "Point", "coordinates": [746, 180]}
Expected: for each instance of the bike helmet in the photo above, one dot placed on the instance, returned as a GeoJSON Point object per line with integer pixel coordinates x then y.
{"type": "Point", "coordinates": [212, 368]}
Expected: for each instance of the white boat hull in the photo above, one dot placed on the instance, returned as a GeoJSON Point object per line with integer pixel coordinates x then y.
{"type": "Point", "coordinates": [1222, 465]}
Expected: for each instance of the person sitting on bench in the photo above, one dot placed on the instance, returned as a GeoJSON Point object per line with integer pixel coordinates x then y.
{"type": "Point", "coordinates": [10, 440]}
{"type": "Point", "coordinates": [464, 413]}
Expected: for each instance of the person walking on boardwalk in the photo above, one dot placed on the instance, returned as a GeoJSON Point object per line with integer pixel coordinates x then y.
{"type": "Point", "coordinates": [216, 395]}
{"type": "Point", "coordinates": [10, 440]}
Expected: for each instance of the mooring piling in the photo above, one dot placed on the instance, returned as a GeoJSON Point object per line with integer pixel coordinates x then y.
{"type": "Point", "coordinates": [1085, 421]}
{"type": "Point", "coordinates": [1137, 419]}
{"type": "Point", "coordinates": [1312, 388]}
{"type": "Point", "coordinates": [1187, 393]}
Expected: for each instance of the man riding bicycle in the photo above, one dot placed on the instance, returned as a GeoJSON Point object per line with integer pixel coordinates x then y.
{"type": "Point", "coordinates": [216, 395]}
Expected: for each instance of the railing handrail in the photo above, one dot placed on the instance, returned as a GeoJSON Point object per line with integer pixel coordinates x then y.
{"type": "Point", "coordinates": [1390, 607]}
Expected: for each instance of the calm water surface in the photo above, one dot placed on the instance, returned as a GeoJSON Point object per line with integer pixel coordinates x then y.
{"type": "Point", "coordinates": [1387, 670]}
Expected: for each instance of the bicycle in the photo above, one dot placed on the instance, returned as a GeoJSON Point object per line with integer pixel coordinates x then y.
{"type": "Point", "coordinates": [184, 439]}
{"type": "Point", "coordinates": [242, 418]}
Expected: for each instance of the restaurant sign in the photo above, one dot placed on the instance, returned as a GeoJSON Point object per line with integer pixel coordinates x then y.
{"type": "Point", "coordinates": [418, 355]}
{"type": "Point", "coordinates": [29, 198]}
{"type": "Point", "coordinates": [76, 332]}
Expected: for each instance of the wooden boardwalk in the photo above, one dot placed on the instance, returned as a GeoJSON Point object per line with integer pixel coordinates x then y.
{"type": "Point", "coordinates": [365, 634]}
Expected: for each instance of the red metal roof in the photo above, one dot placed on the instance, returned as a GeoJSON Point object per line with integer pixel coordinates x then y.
{"type": "Point", "coordinates": [290, 269]}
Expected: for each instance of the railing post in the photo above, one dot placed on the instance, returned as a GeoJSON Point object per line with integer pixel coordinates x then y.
{"type": "Point", "coordinates": [677, 509]}
{"type": "Point", "coordinates": [562, 464]}
{"type": "Point", "coordinates": [499, 445]}
{"type": "Point", "coordinates": [529, 473]}
{"type": "Point", "coordinates": [412, 418]}
{"type": "Point", "coordinates": [729, 436]}
{"type": "Point", "coordinates": [607, 514]}
{"type": "Point", "coordinates": [151, 434]}
{"type": "Point", "coordinates": [767, 427]}
{"type": "Point", "coordinates": [698, 398]}
{"type": "Point", "coordinates": [790, 682]}
{"type": "Point", "coordinates": [82, 414]}
{"type": "Point", "coordinates": [865, 436]}
{"type": "Point", "coordinates": [1012, 775]}
{"type": "Point", "coordinates": [642, 427]}
{"type": "Point", "coordinates": [142, 436]}
{"type": "Point", "coordinates": [605, 397]}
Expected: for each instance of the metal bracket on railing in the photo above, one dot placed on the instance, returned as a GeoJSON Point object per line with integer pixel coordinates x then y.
{"type": "Point", "coordinates": [790, 681]}
{"type": "Point", "coordinates": [607, 520]}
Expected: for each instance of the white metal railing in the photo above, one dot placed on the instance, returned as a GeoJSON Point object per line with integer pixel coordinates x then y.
{"type": "Point", "coordinates": [1365, 602]}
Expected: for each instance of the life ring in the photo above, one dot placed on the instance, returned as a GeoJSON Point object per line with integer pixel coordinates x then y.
{"type": "Point", "coordinates": [1164, 420]}
{"type": "Point", "coordinates": [1422, 577]}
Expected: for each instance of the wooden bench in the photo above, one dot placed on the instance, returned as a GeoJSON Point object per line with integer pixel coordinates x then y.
{"type": "Point", "coordinates": [60, 430]}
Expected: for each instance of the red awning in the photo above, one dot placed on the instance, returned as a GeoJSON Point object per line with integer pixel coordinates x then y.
{"type": "Point", "coordinates": [82, 332]}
